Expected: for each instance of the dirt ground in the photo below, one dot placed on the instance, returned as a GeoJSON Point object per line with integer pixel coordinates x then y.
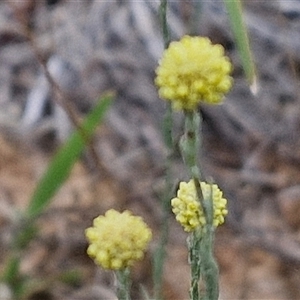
{"type": "Point", "coordinates": [251, 143]}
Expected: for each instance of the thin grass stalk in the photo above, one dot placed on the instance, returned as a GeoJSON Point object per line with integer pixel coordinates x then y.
{"type": "Point", "coordinates": [235, 13]}
{"type": "Point", "coordinates": [160, 253]}
{"type": "Point", "coordinates": [164, 23]}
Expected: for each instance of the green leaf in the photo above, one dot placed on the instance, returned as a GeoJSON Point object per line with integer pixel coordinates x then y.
{"type": "Point", "coordinates": [11, 270]}
{"type": "Point", "coordinates": [62, 163]}
{"type": "Point", "coordinates": [234, 9]}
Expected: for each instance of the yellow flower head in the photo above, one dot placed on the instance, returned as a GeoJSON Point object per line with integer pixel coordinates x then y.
{"type": "Point", "coordinates": [117, 239]}
{"type": "Point", "coordinates": [193, 70]}
{"type": "Point", "coordinates": [188, 210]}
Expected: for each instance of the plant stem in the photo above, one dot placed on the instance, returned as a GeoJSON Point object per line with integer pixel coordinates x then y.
{"type": "Point", "coordinates": [160, 253]}
{"type": "Point", "coordinates": [195, 263]}
{"type": "Point", "coordinates": [203, 265]}
{"type": "Point", "coordinates": [195, 17]}
{"type": "Point", "coordinates": [190, 145]}
{"type": "Point", "coordinates": [164, 24]}
{"type": "Point", "coordinates": [209, 266]}
{"type": "Point", "coordinates": [123, 284]}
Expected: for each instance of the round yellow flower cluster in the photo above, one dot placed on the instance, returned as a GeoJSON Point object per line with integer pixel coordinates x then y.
{"type": "Point", "coordinates": [188, 210]}
{"type": "Point", "coordinates": [117, 239]}
{"type": "Point", "coordinates": [193, 70]}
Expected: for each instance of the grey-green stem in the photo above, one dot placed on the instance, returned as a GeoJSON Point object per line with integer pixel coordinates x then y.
{"type": "Point", "coordinates": [160, 253]}
{"type": "Point", "coordinates": [123, 284]}
{"type": "Point", "coordinates": [203, 265]}
{"type": "Point", "coordinates": [195, 263]}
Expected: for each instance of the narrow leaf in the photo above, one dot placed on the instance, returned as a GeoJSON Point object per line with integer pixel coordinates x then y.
{"type": "Point", "coordinates": [62, 163]}
{"type": "Point", "coordinates": [234, 9]}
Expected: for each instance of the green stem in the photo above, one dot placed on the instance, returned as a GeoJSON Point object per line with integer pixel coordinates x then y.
{"type": "Point", "coordinates": [25, 232]}
{"type": "Point", "coordinates": [160, 253]}
{"type": "Point", "coordinates": [11, 274]}
{"type": "Point", "coordinates": [190, 145]}
{"type": "Point", "coordinates": [124, 283]}
{"type": "Point", "coordinates": [159, 258]}
{"type": "Point", "coordinates": [195, 17]}
{"type": "Point", "coordinates": [209, 265]}
{"type": "Point", "coordinates": [203, 265]}
{"type": "Point", "coordinates": [195, 263]}
{"type": "Point", "coordinates": [164, 24]}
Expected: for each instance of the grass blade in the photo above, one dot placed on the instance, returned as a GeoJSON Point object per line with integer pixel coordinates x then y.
{"type": "Point", "coordinates": [234, 9]}
{"type": "Point", "coordinates": [62, 163]}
